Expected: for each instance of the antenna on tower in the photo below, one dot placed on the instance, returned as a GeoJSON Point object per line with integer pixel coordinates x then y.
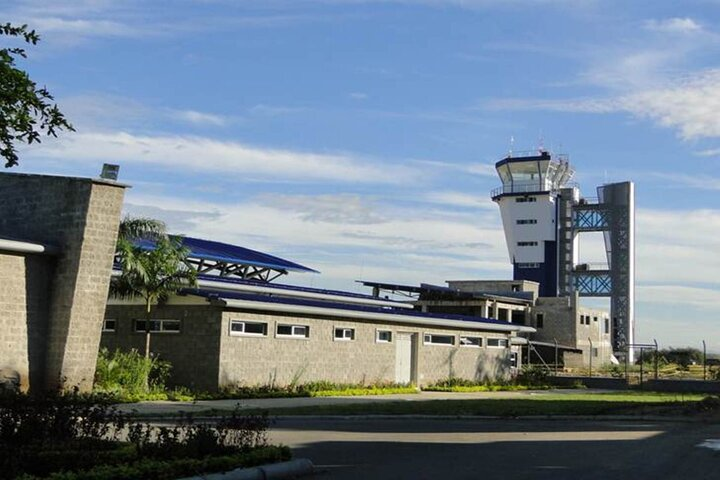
{"type": "Point", "coordinates": [541, 142]}
{"type": "Point", "coordinates": [512, 143]}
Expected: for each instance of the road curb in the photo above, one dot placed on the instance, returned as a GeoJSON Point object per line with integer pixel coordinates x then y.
{"type": "Point", "coordinates": [598, 418]}
{"type": "Point", "coordinates": [294, 468]}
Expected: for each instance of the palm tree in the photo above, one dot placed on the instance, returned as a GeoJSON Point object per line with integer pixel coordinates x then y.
{"type": "Point", "coordinates": [150, 273]}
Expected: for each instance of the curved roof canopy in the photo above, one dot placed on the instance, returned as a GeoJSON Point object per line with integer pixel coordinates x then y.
{"type": "Point", "coordinates": [225, 260]}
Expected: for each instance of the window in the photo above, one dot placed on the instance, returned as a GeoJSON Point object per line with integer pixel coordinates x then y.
{"type": "Point", "coordinates": [383, 336]}
{"type": "Point", "coordinates": [526, 199]}
{"type": "Point", "coordinates": [432, 339]}
{"type": "Point", "coordinates": [595, 352]}
{"type": "Point", "coordinates": [497, 342]}
{"type": "Point", "coordinates": [109, 325]}
{"type": "Point", "coordinates": [594, 319]}
{"type": "Point", "coordinates": [240, 327]}
{"type": "Point", "coordinates": [607, 325]}
{"type": "Point", "coordinates": [526, 221]}
{"type": "Point", "coordinates": [527, 244]}
{"type": "Point", "coordinates": [345, 334]}
{"type": "Point", "coordinates": [295, 331]}
{"type": "Point", "coordinates": [539, 320]}
{"type": "Point", "coordinates": [471, 342]}
{"type": "Point", "coordinates": [503, 314]}
{"type": "Point", "coordinates": [164, 325]}
{"type": "Point", "coordinates": [491, 312]}
{"type": "Point", "coordinates": [527, 265]}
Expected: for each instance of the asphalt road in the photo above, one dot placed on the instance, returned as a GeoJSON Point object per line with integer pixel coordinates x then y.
{"type": "Point", "coordinates": [346, 448]}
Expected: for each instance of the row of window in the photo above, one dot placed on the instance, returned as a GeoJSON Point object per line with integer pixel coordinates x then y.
{"type": "Point", "coordinates": [165, 325]}
{"type": "Point", "coordinates": [525, 199]}
{"type": "Point", "coordinates": [527, 244]}
{"type": "Point", "coordinates": [585, 320]}
{"type": "Point", "coordinates": [465, 341]}
{"type": "Point", "coordinates": [260, 329]}
{"type": "Point", "coordinates": [527, 265]}
{"type": "Point", "coordinates": [526, 221]}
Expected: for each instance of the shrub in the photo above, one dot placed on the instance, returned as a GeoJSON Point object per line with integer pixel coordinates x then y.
{"type": "Point", "coordinates": [532, 375]}
{"type": "Point", "coordinates": [130, 373]}
{"type": "Point", "coordinates": [42, 436]}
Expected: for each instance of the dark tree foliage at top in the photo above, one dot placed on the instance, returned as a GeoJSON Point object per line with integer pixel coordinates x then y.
{"type": "Point", "coordinates": [26, 111]}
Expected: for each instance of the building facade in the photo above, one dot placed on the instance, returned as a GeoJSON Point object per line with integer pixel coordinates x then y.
{"type": "Point", "coordinates": [233, 335]}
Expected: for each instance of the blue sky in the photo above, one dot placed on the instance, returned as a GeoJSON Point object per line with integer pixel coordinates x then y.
{"type": "Point", "coordinates": [359, 137]}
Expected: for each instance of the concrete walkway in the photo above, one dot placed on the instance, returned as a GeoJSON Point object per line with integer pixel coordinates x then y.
{"type": "Point", "coordinates": [169, 408]}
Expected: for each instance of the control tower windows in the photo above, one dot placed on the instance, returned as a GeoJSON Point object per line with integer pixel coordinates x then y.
{"type": "Point", "coordinates": [527, 244]}
{"type": "Point", "coordinates": [526, 221]}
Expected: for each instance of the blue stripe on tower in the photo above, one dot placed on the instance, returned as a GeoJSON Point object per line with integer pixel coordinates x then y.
{"type": "Point", "coordinates": [545, 274]}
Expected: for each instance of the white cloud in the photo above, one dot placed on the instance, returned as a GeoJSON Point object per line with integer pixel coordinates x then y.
{"type": "Point", "coordinates": [713, 152]}
{"type": "Point", "coordinates": [201, 154]}
{"type": "Point", "coordinates": [200, 118]}
{"type": "Point", "coordinates": [359, 96]}
{"type": "Point", "coordinates": [703, 298]}
{"type": "Point", "coordinates": [460, 199]}
{"type": "Point", "coordinates": [82, 27]}
{"type": "Point", "coordinates": [427, 242]}
{"type": "Point", "coordinates": [673, 25]}
{"type": "Point", "coordinates": [677, 247]}
{"type": "Point", "coordinates": [689, 106]}
{"type": "Point", "coordinates": [698, 181]}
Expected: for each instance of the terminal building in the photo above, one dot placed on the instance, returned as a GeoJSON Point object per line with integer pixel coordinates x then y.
{"type": "Point", "coordinates": [240, 327]}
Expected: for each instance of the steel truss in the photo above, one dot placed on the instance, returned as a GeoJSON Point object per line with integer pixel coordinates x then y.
{"type": "Point", "coordinates": [613, 214]}
{"type": "Point", "coordinates": [229, 269]}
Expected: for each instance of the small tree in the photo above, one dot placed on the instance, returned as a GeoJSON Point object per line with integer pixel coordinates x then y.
{"type": "Point", "coordinates": [152, 273]}
{"type": "Point", "coordinates": [26, 111]}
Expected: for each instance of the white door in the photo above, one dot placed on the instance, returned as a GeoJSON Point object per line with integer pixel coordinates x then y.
{"type": "Point", "coordinates": [403, 358]}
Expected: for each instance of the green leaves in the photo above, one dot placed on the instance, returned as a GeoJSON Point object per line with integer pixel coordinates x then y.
{"type": "Point", "coordinates": [26, 111]}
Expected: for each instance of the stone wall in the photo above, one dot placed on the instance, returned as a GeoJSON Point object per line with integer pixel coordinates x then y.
{"type": "Point", "coordinates": [79, 216]}
{"type": "Point", "coordinates": [24, 286]}
{"type": "Point", "coordinates": [258, 360]}
{"type": "Point", "coordinates": [205, 356]}
{"type": "Point", "coordinates": [194, 352]}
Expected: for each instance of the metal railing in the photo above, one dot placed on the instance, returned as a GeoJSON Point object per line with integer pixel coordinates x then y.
{"type": "Point", "coordinates": [530, 187]}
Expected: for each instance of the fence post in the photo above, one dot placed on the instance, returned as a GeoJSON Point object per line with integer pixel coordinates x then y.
{"type": "Point", "coordinates": [641, 367]}
{"type": "Point", "coordinates": [556, 356]}
{"type": "Point", "coordinates": [656, 359]}
{"type": "Point", "coordinates": [704, 361]}
{"type": "Point", "coordinates": [591, 354]}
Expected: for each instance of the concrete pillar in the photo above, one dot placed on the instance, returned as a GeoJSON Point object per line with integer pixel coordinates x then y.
{"type": "Point", "coordinates": [80, 216]}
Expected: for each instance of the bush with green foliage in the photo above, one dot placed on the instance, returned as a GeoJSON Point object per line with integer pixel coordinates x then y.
{"type": "Point", "coordinates": [76, 436]}
{"type": "Point", "coordinates": [130, 373]}
{"type": "Point", "coordinates": [533, 375]}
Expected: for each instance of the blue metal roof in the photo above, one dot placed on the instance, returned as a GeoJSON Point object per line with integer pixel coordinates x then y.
{"type": "Point", "coordinates": [224, 252]}
{"type": "Point", "coordinates": [212, 294]}
{"type": "Point", "coordinates": [284, 287]}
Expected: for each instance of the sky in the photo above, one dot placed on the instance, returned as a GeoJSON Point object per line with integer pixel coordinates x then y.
{"type": "Point", "coordinates": [358, 137]}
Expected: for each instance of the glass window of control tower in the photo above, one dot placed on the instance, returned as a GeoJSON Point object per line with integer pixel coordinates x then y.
{"type": "Point", "coordinates": [525, 176]}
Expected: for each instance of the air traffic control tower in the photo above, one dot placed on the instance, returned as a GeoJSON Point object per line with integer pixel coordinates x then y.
{"type": "Point", "coordinates": [543, 215]}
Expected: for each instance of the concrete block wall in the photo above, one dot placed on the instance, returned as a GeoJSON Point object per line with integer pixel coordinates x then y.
{"type": "Point", "coordinates": [80, 216]}
{"type": "Point", "coordinates": [259, 360]}
{"type": "Point", "coordinates": [558, 320]}
{"type": "Point", "coordinates": [206, 357]}
{"type": "Point", "coordinates": [194, 352]}
{"type": "Point", "coordinates": [24, 286]}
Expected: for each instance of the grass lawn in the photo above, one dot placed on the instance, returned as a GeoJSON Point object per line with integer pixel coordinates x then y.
{"type": "Point", "coordinates": [632, 403]}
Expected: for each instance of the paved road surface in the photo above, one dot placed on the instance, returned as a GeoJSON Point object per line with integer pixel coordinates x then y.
{"type": "Point", "coordinates": [346, 448]}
